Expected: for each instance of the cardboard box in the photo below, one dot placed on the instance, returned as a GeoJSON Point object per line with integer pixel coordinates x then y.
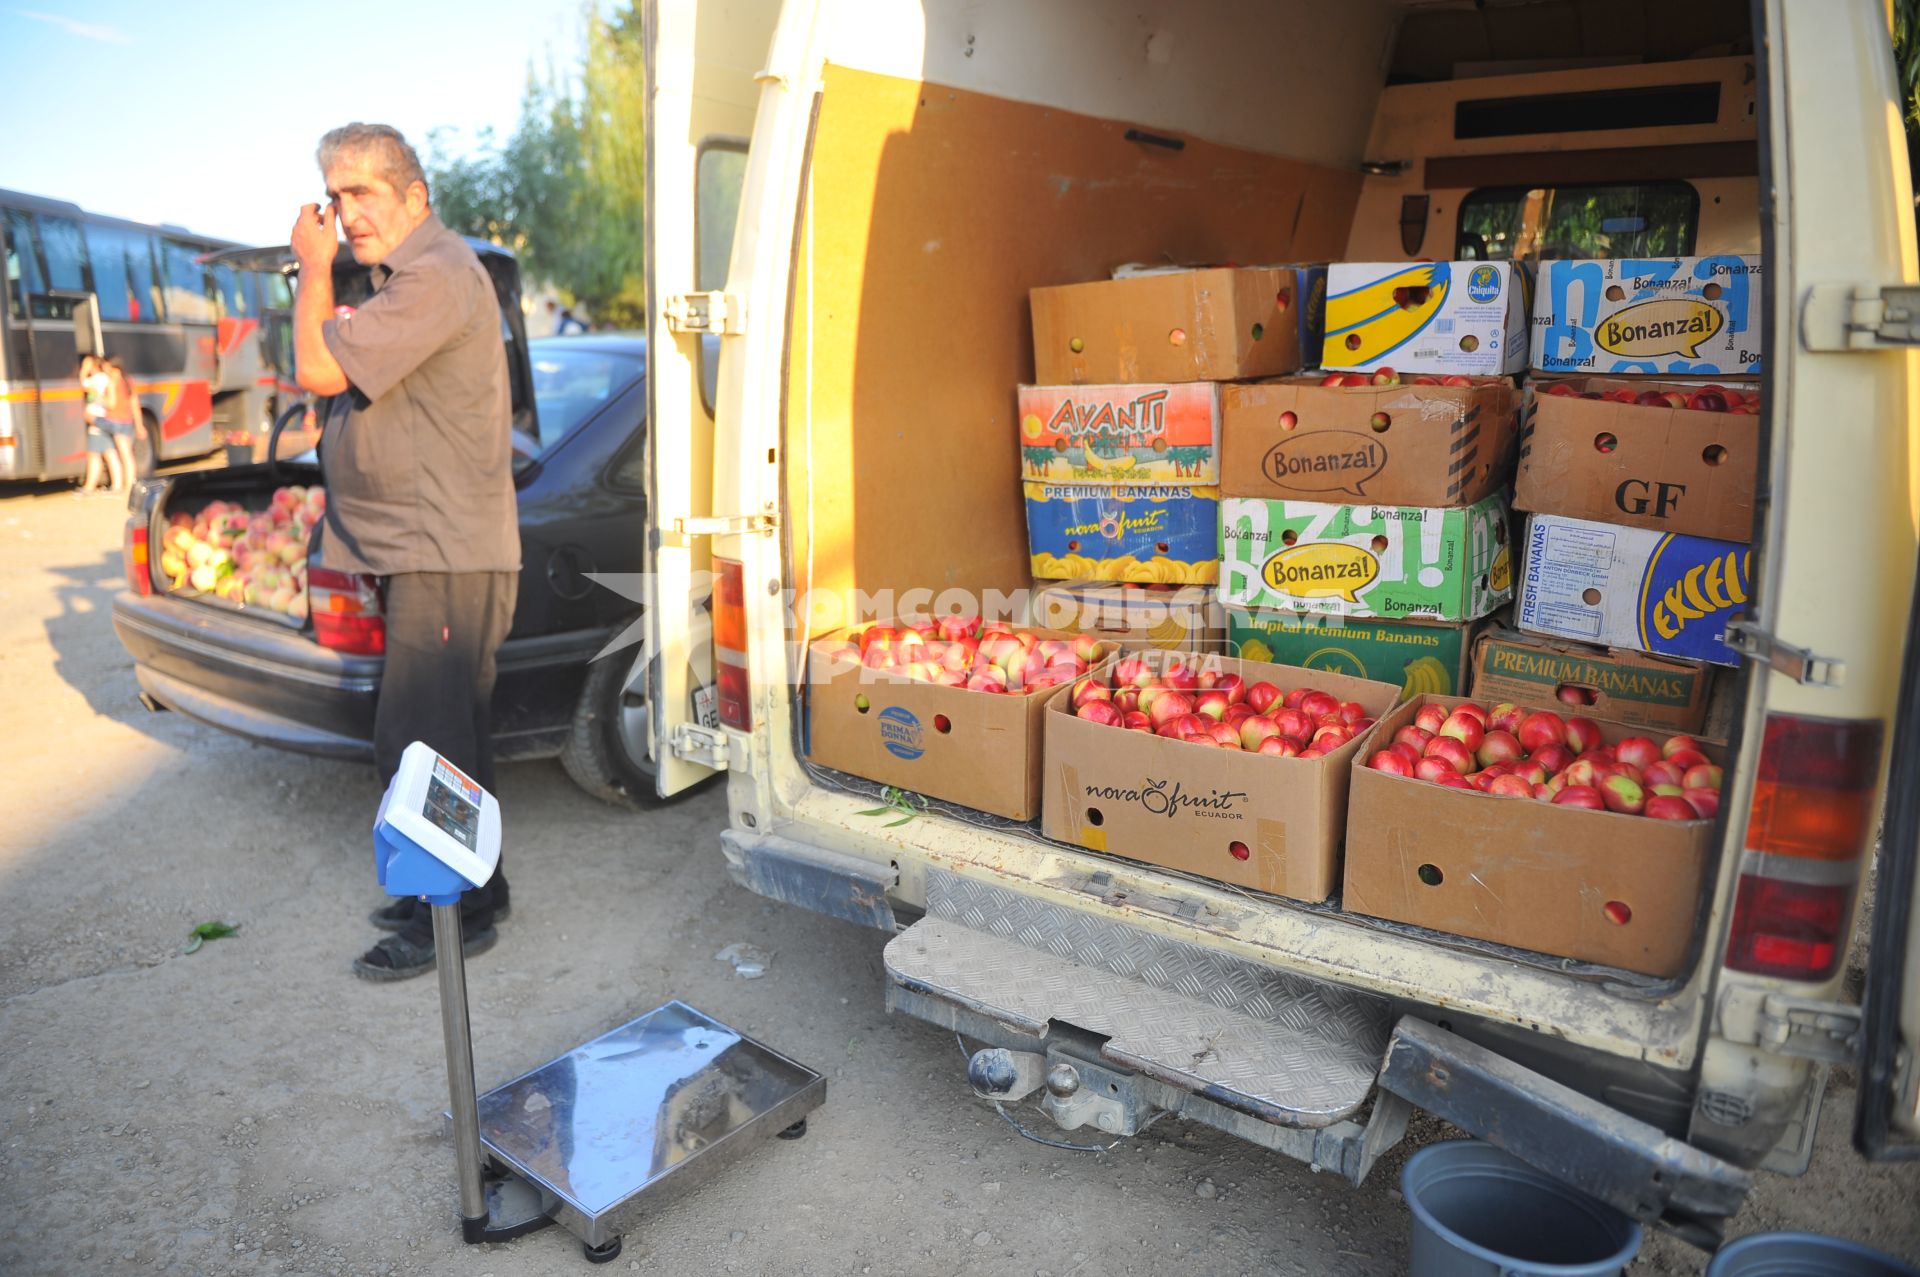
{"type": "Point", "coordinates": [1595, 886]}
{"type": "Point", "coordinates": [1411, 445]}
{"type": "Point", "coordinates": [1668, 469]}
{"type": "Point", "coordinates": [1418, 656]}
{"type": "Point", "coordinates": [1266, 823]}
{"type": "Point", "coordinates": [1165, 536]}
{"type": "Point", "coordinates": [1443, 564]}
{"type": "Point", "coordinates": [1678, 316]}
{"type": "Point", "coordinates": [1202, 324]}
{"type": "Point", "coordinates": [1426, 317]}
{"type": "Point", "coordinates": [973, 748]}
{"type": "Point", "coordinates": [1597, 682]}
{"type": "Point", "coordinates": [1628, 587]}
{"type": "Point", "coordinates": [1185, 618]}
{"type": "Point", "coordinates": [1167, 434]}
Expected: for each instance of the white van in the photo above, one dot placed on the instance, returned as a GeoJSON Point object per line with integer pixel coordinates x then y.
{"type": "Point", "coordinates": [847, 205]}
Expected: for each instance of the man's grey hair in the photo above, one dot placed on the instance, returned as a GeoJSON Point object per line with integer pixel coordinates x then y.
{"type": "Point", "coordinates": [393, 160]}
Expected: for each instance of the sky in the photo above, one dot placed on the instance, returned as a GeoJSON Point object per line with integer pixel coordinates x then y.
{"type": "Point", "coordinates": [205, 114]}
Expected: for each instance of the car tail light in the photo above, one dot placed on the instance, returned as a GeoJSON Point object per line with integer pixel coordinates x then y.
{"type": "Point", "coordinates": [1811, 822]}
{"type": "Point", "coordinates": [345, 607]}
{"type": "Point", "coordinates": [731, 684]}
{"type": "Point", "coordinates": [139, 573]}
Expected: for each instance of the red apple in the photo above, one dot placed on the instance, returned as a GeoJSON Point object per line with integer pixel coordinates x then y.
{"type": "Point", "coordinates": [1211, 704]}
{"type": "Point", "coordinates": [1137, 722]}
{"type": "Point", "coordinates": [1429, 717]}
{"type": "Point", "coordinates": [1393, 764]}
{"type": "Point", "coordinates": [1687, 759]}
{"type": "Point", "coordinates": [1133, 671]}
{"type": "Point", "coordinates": [1580, 796]}
{"type": "Point", "coordinates": [1586, 772]}
{"type": "Point", "coordinates": [1181, 679]}
{"type": "Point", "coordinates": [1573, 694]}
{"type": "Point", "coordinates": [1101, 712]}
{"type": "Point", "coordinates": [1661, 773]}
{"type": "Point", "coordinates": [1458, 756]}
{"type": "Point", "coordinates": [1553, 758]}
{"type": "Point", "coordinates": [1465, 728]}
{"type": "Point", "coordinates": [1540, 729]}
{"type": "Point", "coordinates": [1637, 751]}
{"type": "Point", "coordinates": [1483, 780]}
{"type": "Point", "coordinates": [1232, 684]}
{"type": "Point", "coordinates": [1337, 736]}
{"type": "Point", "coordinates": [1294, 696]}
{"type": "Point", "coordinates": [1671, 791]}
{"type": "Point", "coordinates": [1624, 795]}
{"type": "Point", "coordinates": [1674, 744]}
{"type": "Point", "coordinates": [1544, 793]}
{"type": "Point", "coordinates": [1293, 723]}
{"type": "Point", "coordinates": [1664, 807]}
{"type": "Point", "coordinates": [1498, 747]}
{"type": "Point", "coordinates": [1414, 736]}
{"type": "Point", "coordinates": [1530, 771]}
{"type": "Point", "coordinates": [1506, 717]}
{"type": "Point", "coordinates": [1432, 768]}
{"type": "Point", "coordinates": [1702, 776]}
{"type": "Point", "coordinates": [1238, 713]}
{"type": "Point", "coordinates": [1583, 734]}
{"type": "Point", "coordinates": [1704, 801]}
{"type": "Point", "coordinates": [1510, 786]}
{"type": "Point", "coordinates": [1319, 704]}
{"type": "Point", "coordinates": [1226, 736]}
{"type": "Point", "coordinates": [1128, 699]}
{"type": "Point", "coordinates": [1407, 752]}
{"type": "Point", "coordinates": [1201, 738]}
{"type": "Point", "coordinates": [1168, 706]}
{"type": "Point", "coordinates": [1351, 712]}
{"type": "Point", "coordinates": [1192, 725]}
{"type": "Point", "coordinates": [1279, 746]}
{"type": "Point", "coordinates": [1262, 695]}
{"type": "Point", "coordinates": [1651, 399]}
{"type": "Point", "coordinates": [1456, 781]}
{"type": "Point", "coordinates": [1256, 729]}
{"type": "Point", "coordinates": [1088, 689]}
{"type": "Point", "coordinates": [1474, 709]}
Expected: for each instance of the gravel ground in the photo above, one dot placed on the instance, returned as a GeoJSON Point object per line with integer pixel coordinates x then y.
{"type": "Point", "coordinates": [253, 1108]}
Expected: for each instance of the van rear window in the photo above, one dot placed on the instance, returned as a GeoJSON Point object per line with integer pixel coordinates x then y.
{"type": "Point", "coordinates": [1511, 223]}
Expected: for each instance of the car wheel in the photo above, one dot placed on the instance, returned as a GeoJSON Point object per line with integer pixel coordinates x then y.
{"type": "Point", "coordinates": [606, 749]}
{"type": "Point", "coordinates": [144, 454]}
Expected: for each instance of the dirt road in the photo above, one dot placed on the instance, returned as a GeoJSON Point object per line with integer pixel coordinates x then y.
{"type": "Point", "coordinates": [253, 1108]}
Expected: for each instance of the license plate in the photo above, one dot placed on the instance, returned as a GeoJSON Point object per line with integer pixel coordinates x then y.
{"type": "Point", "coordinates": [706, 707]}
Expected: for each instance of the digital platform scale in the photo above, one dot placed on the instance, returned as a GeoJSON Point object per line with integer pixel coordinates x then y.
{"type": "Point", "coordinates": [591, 1139]}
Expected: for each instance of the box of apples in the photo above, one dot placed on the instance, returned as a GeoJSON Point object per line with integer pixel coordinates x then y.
{"type": "Point", "coordinates": [1647, 454]}
{"type": "Point", "coordinates": [1230, 769]}
{"type": "Point", "coordinates": [1513, 823]}
{"type": "Point", "coordinates": [1417, 440]}
{"type": "Point", "coordinates": [948, 707]}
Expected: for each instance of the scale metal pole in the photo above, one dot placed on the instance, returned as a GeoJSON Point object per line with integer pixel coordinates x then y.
{"type": "Point", "coordinates": [452, 966]}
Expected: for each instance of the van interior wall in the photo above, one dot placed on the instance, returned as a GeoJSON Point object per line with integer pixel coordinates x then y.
{"type": "Point", "coordinates": [931, 211]}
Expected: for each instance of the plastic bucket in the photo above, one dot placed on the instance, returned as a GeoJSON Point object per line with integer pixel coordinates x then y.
{"type": "Point", "coordinates": [1802, 1255]}
{"type": "Point", "coordinates": [1479, 1212]}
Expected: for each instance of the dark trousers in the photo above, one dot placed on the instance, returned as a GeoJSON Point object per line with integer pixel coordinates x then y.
{"type": "Point", "coordinates": [443, 629]}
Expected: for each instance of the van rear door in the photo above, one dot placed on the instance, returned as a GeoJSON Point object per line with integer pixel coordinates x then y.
{"type": "Point", "coordinates": [702, 59]}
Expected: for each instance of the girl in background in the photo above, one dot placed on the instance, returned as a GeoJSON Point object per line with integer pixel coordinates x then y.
{"type": "Point", "coordinates": [97, 384]}
{"type": "Point", "coordinates": [123, 418]}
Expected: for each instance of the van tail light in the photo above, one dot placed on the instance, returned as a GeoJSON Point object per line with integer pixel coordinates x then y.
{"type": "Point", "coordinates": [1808, 830]}
{"type": "Point", "coordinates": [730, 644]}
{"type": "Point", "coordinates": [139, 571]}
{"type": "Point", "coordinates": [346, 611]}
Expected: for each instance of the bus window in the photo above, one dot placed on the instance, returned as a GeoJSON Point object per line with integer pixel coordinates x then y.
{"type": "Point", "coordinates": [189, 294]}
{"type": "Point", "coordinates": [279, 295]}
{"type": "Point", "coordinates": [66, 259]}
{"type": "Point", "coordinates": [123, 273]}
{"type": "Point", "coordinates": [23, 263]}
{"type": "Point", "coordinates": [1649, 219]}
{"type": "Point", "coordinates": [235, 292]}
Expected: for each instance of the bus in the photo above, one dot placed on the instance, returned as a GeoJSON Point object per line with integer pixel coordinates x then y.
{"type": "Point", "coordinates": [199, 341]}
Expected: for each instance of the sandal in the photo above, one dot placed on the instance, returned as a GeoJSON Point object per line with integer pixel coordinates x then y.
{"type": "Point", "coordinates": [399, 958]}
{"type": "Point", "coordinates": [396, 914]}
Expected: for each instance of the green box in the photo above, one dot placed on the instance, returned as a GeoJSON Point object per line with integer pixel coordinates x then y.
{"type": "Point", "coordinates": [1424, 657]}
{"type": "Point", "coordinates": [1450, 563]}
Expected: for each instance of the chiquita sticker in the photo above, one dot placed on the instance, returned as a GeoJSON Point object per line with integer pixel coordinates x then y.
{"type": "Point", "coordinates": [1667, 326]}
{"type": "Point", "coordinates": [1322, 570]}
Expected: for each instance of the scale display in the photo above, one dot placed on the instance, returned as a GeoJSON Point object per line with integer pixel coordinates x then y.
{"type": "Point", "coordinates": [453, 804]}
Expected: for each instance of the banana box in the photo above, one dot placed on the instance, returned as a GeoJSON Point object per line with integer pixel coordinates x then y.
{"type": "Point", "coordinates": [1426, 317]}
{"type": "Point", "coordinates": [1421, 657]}
{"type": "Point", "coordinates": [1178, 618]}
{"type": "Point", "coordinates": [1151, 535]}
{"type": "Point", "coordinates": [1669, 316]}
{"type": "Point", "coordinates": [1443, 563]}
{"type": "Point", "coordinates": [1630, 587]}
{"type": "Point", "coordinates": [1155, 435]}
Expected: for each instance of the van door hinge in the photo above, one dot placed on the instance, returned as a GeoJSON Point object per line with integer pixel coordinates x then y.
{"type": "Point", "coordinates": [697, 743]}
{"type": "Point", "coordinates": [725, 525]}
{"type": "Point", "coordinates": [718, 313]}
{"type": "Point", "coordinates": [1860, 316]}
{"type": "Point", "coordinates": [1809, 1029]}
{"type": "Point", "coordinates": [1797, 663]}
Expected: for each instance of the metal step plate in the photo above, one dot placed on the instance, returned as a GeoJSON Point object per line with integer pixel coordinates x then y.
{"type": "Point", "coordinates": [1290, 1050]}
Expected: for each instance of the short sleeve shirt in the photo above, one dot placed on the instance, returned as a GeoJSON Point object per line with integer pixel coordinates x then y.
{"type": "Point", "coordinates": [418, 453]}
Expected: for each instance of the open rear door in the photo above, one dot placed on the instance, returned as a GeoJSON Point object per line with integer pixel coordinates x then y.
{"type": "Point", "coordinates": [702, 60]}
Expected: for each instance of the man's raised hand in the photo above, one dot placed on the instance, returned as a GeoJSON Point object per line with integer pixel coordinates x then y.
{"type": "Point", "coordinates": [314, 240]}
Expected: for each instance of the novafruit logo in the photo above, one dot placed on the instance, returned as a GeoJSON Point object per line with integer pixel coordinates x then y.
{"type": "Point", "coordinates": [1483, 284]}
{"type": "Point", "coordinates": [900, 733]}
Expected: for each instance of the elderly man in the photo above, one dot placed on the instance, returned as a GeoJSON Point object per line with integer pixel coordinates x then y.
{"type": "Point", "coordinates": [418, 461]}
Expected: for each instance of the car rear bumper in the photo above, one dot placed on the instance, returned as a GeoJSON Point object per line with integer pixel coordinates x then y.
{"type": "Point", "coordinates": [257, 679]}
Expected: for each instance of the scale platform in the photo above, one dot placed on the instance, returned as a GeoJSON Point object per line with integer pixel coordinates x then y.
{"type": "Point", "coordinates": [649, 1109]}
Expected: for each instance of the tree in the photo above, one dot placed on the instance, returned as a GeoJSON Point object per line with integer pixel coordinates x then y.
{"type": "Point", "coordinates": [567, 192]}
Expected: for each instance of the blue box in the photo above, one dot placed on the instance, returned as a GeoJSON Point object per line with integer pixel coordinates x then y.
{"type": "Point", "coordinates": [1152, 535]}
{"type": "Point", "coordinates": [1632, 587]}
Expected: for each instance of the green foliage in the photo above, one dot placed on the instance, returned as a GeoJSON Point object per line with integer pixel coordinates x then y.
{"type": "Point", "coordinates": [1906, 69]}
{"type": "Point", "coordinates": [566, 192]}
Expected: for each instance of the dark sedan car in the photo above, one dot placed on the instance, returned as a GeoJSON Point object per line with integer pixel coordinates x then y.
{"type": "Point", "coordinates": [304, 683]}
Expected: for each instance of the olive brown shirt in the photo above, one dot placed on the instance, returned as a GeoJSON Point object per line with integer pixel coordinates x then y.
{"type": "Point", "coordinates": [418, 452]}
